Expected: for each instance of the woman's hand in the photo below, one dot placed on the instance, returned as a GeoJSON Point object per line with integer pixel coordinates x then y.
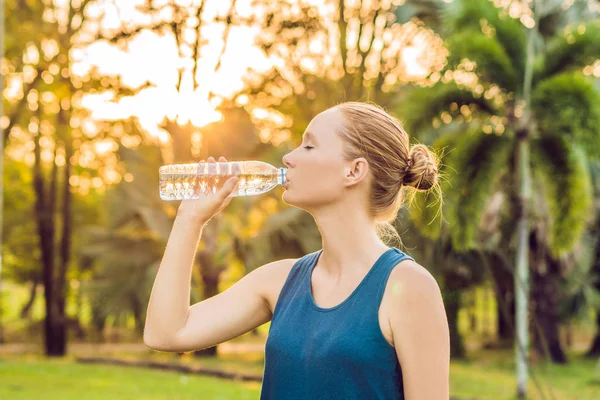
{"type": "Point", "coordinates": [209, 204]}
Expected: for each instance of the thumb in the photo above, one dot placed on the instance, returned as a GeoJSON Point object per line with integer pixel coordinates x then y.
{"type": "Point", "coordinates": [230, 186]}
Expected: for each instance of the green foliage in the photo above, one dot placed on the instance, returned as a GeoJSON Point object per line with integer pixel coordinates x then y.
{"type": "Point", "coordinates": [422, 104]}
{"type": "Point", "coordinates": [562, 168]}
{"type": "Point", "coordinates": [470, 15]}
{"type": "Point", "coordinates": [568, 104]}
{"type": "Point", "coordinates": [21, 254]}
{"type": "Point", "coordinates": [128, 249]}
{"type": "Point", "coordinates": [493, 63]}
{"type": "Point", "coordinates": [479, 161]}
{"type": "Point", "coordinates": [576, 47]}
{"type": "Point", "coordinates": [428, 11]}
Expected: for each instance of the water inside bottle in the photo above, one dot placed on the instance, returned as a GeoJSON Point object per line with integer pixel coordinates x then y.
{"type": "Point", "coordinates": [189, 184]}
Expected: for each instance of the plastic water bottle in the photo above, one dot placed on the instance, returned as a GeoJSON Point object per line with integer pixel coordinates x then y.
{"type": "Point", "coordinates": [191, 181]}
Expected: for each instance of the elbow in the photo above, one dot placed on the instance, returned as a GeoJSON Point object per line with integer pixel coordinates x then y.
{"type": "Point", "coordinates": [169, 344]}
{"type": "Point", "coordinates": [154, 344]}
{"type": "Point", "coordinates": [157, 346]}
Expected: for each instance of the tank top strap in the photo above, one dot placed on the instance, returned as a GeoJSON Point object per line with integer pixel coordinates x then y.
{"type": "Point", "coordinates": [293, 285]}
{"type": "Point", "coordinates": [375, 287]}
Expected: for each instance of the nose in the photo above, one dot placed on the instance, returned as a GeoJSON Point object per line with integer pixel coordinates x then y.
{"type": "Point", "coordinates": [285, 160]}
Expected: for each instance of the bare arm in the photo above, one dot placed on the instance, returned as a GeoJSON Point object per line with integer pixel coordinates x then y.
{"type": "Point", "coordinates": [171, 324]}
{"type": "Point", "coordinates": [170, 298]}
{"type": "Point", "coordinates": [420, 333]}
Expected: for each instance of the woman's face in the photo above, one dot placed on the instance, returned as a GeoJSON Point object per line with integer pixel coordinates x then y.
{"type": "Point", "coordinates": [316, 168]}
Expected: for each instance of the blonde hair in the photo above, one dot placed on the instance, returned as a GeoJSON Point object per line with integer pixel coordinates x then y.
{"type": "Point", "coordinates": [369, 131]}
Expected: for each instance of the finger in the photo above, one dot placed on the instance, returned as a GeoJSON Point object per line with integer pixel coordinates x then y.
{"type": "Point", "coordinates": [229, 186]}
{"type": "Point", "coordinates": [211, 159]}
{"type": "Point", "coordinates": [223, 163]}
{"type": "Point", "coordinates": [197, 189]}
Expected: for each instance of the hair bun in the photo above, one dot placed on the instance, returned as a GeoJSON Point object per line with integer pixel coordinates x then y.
{"type": "Point", "coordinates": [422, 168]}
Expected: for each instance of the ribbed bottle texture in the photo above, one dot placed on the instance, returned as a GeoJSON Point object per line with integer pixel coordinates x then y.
{"type": "Point", "coordinates": [190, 181]}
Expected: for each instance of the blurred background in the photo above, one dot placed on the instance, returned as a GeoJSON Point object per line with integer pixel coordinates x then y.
{"type": "Point", "coordinates": [97, 95]}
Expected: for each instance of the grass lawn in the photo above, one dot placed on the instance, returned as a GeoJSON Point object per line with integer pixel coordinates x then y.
{"type": "Point", "coordinates": [491, 375]}
{"type": "Point", "coordinates": [32, 378]}
{"type": "Point", "coordinates": [488, 375]}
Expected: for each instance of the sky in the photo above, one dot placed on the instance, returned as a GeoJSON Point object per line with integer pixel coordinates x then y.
{"type": "Point", "coordinates": [154, 58]}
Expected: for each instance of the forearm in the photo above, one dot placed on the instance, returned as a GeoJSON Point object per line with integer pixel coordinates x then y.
{"type": "Point", "coordinates": [170, 298]}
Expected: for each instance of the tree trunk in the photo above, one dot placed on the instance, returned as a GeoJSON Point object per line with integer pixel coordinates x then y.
{"type": "Point", "coordinates": [98, 321]}
{"type": "Point", "coordinates": [569, 335]}
{"type": "Point", "coordinates": [521, 276]}
{"type": "Point", "coordinates": [505, 302]}
{"type": "Point", "coordinates": [544, 296]}
{"type": "Point", "coordinates": [26, 310]}
{"type": "Point", "coordinates": [138, 315]}
{"type": "Point", "coordinates": [472, 308]}
{"type": "Point", "coordinates": [65, 243]}
{"type": "Point", "coordinates": [44, 212]}
{"type": "Point", "coordinates": [523, 172]}
{"type": "Point", "coordinates": [452, 299]}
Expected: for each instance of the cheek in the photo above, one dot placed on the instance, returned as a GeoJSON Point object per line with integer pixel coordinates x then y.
{"type": "Point", "coordinates": [322, 171]}
{"type": "Point", "coordinates": [318, 180]}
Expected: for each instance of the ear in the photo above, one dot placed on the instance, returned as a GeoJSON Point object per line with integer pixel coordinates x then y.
{"type": "Point", "coordinates": [356, 171]}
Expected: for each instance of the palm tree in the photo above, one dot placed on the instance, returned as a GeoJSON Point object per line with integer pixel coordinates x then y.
{"type": "Point", "coordinates": [515, 93]}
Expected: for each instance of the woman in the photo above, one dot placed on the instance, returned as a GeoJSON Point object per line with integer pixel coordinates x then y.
{"type": "Point", "coordinates": [354, 320]}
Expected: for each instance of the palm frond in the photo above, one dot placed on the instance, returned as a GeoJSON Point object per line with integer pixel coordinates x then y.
{"type": "Point", "coordinates": [561, 166]}
{"type": "Point", "coordinates": [448, 18]}
{"type": "Point", "coordinates": [428, 11]}
{"type": "Point", "coordinates": [479, 160]}
{"type": "Point", "coordinates": [554, 16]}
{"type": "Point", "coordinates": [493, 63]}
{"type": "Point", "coordinates": [483, 15]}
{"type": "Point", "coordinates": [568, 104]}
{"type": "Point", "coordinates": [422, 104]}
{"type": "Point", "coordinates": [288, 234]}
{"type": "Point", "coordinates": [580, 289]}
{"type": "Point", "coordinates": [576, 47]}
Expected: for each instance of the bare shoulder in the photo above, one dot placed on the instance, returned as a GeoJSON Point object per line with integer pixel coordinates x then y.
{"type": "Point", "coordinates": [273, 276]}
{"type": "Point", "coordinates": [409, 278]}
{"type": "Point", "coordinates": [419, 330]}
{"type": "Point", "coordinates": [409, 287]}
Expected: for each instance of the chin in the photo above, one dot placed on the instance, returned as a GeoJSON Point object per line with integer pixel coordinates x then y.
{"type": "Point", "coordinates": [288, 198]}
{"type": "Point", "coordinates": [285, 197]}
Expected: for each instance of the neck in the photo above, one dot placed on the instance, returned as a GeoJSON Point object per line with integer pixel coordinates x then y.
{"type": "Point", "coordinates": [350, 242]}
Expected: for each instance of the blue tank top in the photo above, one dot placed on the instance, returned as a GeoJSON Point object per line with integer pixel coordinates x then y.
{"type": "Point", "coordinates": [336, 353]}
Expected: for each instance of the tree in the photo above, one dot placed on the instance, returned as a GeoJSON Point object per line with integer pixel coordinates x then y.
{"type": "Point", "coordinates": [481, 90]}
{"type": "Point", "coordinates": [46, 124]}
{"type": "Point", "coordinates": [234, 136]}
{"type": "Point", "coordinates": [322, 55]}
{"type": "Point", "coordinates": [328, 53]}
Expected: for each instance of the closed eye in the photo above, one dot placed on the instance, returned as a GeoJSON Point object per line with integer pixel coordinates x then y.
{"type": "Point", "coordinates": [308, 147]}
